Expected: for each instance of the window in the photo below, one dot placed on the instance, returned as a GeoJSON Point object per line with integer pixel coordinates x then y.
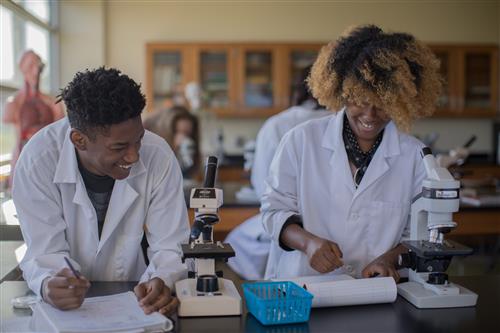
{"type": "Point", "coordinates": [38, 8]}
{"type": "Point", "coordinates": [24, 24]}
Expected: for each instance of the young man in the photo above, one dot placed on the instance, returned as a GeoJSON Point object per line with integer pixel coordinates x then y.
{"type": "Point", "coordinates": [88, 187]}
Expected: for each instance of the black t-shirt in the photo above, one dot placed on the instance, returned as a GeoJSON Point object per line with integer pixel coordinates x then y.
{"type": "Point", "coordinates": [99, 189]}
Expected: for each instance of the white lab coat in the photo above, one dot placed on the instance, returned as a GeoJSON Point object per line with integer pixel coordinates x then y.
{"type": "Point", "coordinates": [250, 241]}
{"type": "Point", "coordinates": [269, 138]}
{"type": "Point", "coordinates": [57, 218]}
{"type": "Point", "coordinates": [310, 176]}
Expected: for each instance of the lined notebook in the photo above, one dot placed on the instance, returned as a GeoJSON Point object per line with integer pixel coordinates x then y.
{"type": "Point", "coordinates": [341, 290]}
{"type": "Point", "coordinates": [114, 313]}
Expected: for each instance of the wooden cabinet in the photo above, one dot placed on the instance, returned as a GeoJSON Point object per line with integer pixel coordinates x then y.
{"type": "Point", "coordinates": [296, 58]}
{"type": "Point", "coordinates": [256, 79]}
{"type": "Point", "coordinates": [259, 75]}
{"type": "Point", "coordinates": [471, 80]}
{"type": "Point", "coordinates": [237, 79]}
{"type": "Point", "coordinates": [214, 70]}
{"type": "Point", "coordinates": [168, 69]}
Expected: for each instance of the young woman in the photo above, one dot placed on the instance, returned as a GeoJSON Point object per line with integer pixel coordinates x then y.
{"type": "Point", "coordinates": [339, 190]}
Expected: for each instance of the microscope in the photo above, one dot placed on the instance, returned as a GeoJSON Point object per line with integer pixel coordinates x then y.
{"type": "Point", "coordinates": [205, 292]}
{"type": "Point", "coordinates": [429, 253]}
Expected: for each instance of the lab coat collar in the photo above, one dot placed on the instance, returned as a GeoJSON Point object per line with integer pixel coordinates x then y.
{"type": "Point", "coordinates": [333, 140]}
{"type": "Point", "coordinates": [121, 199]}
{"type": "Point", "coordinates": [67, 166]}
{"type": "Point", "coordinates": [380, 162]}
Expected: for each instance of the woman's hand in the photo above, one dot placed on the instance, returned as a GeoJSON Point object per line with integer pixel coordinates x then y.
{"type": "Point", "coordinates": [386, 264]}
{"type": "Point", "coordinates": [324, 255]}
{"type": "Point", "coordinates": [381, 267]}
{"type": "Point", "coordinates": [154, 295]}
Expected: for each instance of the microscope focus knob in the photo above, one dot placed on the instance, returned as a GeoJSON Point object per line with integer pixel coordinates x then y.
{"type": "Point", "coordinates": [207, 284]}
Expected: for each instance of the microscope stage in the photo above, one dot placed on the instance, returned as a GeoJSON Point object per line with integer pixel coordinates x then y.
{"type": "Point", "coordinates": [208, 251]}
{"type": "Point", "coordinates": [428, 249]}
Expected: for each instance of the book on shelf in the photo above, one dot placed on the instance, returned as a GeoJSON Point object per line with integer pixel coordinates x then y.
{"type": "Point", "coordinates": [216, 86]}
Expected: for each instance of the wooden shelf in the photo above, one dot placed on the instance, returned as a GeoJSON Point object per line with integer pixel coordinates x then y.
{"type": "Point", "coordinates": [471, 80]}
{"type": "Point", "coordinates": [268, 66]}
{"type": "Point", "coordinates": [470, 72]}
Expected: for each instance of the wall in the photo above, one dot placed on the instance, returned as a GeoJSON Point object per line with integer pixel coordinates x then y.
{"type": "Point", "coordinates": [129, 25]}
{"type": "Point", "coordinates": [82, 37]}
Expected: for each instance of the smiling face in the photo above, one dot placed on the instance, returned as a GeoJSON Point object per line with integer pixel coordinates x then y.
{"type": "Point", "coordinates": [112, 152]}
{"type": "Point", "coordinates": [366, 121]}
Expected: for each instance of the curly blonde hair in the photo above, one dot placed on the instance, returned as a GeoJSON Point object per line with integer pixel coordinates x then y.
{"type": "Point", "coordinates": [392, 71]}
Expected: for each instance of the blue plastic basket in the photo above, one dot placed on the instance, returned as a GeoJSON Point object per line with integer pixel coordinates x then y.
{"type": "Point", "coordinates": [277, 302]}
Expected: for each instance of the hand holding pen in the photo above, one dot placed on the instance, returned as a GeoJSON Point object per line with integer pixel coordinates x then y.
{"type": "Point", "coordinates": [73, 270]}
{"type": "Point", "coordinates": [66, 290]}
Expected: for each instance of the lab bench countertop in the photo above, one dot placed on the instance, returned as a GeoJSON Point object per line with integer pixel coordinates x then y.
{"type": "Point", "coordinates": [399, 316]}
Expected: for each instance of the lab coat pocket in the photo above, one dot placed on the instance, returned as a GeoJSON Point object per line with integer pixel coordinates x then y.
{"type": "Point", "coordinates": [385, 225]}
{"type": "Point", "coordinates": [128, 258]}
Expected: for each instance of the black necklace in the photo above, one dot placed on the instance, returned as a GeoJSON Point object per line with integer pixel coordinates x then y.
{"type": "Point", "coordinates": [359, 158]}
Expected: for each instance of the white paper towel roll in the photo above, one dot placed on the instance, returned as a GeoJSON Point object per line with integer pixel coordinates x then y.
{"type": "Point", "coordinates": [353, 292]}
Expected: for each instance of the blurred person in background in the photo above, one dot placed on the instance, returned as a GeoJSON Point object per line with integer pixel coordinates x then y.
{"type": "Point", "coordinates": [180, 129]}
{"type": "Point", "coordinates": [249, 239]}
{"type": "Point", "coordinates": [29, 110]}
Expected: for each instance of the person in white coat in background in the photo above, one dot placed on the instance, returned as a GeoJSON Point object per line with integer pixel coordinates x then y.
{"type": "Point", "coordinates": [340, 188]}
{"type": "Point", "coordinates": [250, 241]}
{"type": "Point", "coordinates": [89, 186]}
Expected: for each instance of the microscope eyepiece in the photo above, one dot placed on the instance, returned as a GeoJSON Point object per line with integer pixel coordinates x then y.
{"type": "Point", "coordinates": [210, 172]}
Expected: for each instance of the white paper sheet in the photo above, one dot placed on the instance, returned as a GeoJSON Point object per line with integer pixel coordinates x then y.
{"type": "Point", "coordinates": [114, 313]}
{"type": "Point", "coordinates": [340, 290]}
{"type": "Point", "coordinates": [16, 324]}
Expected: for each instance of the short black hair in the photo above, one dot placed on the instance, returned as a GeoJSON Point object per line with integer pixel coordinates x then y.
{"type": "Point", "coordinates": [96, 99]}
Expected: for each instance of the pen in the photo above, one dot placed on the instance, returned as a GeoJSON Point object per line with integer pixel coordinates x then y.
{"type": "Point", "coordinates": [75, 272]}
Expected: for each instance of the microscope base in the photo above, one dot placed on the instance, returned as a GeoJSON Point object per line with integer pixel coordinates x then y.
{"type": "Point", "coordinates": [423, 298]}
{"type": "Point", "coordinates": [225, 302]}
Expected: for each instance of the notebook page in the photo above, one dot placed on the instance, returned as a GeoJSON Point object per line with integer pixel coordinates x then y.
{"type": "Point", "coordinates": [119, 312]}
